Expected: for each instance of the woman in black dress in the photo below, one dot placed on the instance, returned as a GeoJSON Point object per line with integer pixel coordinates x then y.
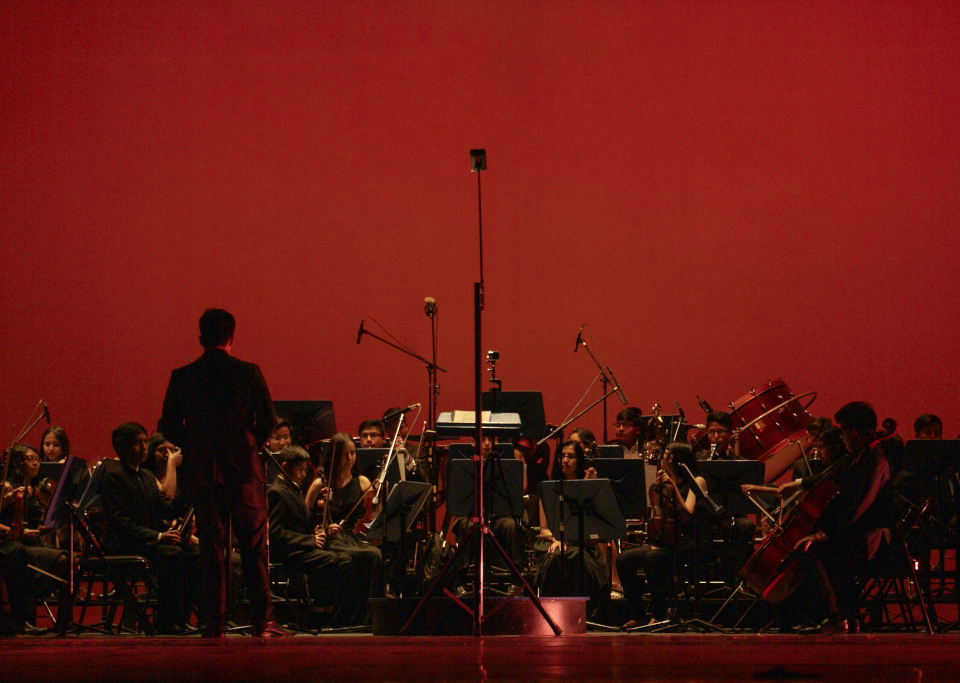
{"type": "Point", "coordinates": [349, 501]}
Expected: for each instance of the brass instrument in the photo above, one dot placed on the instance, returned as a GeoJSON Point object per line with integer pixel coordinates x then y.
{"type": "Point", "coordinates": [656, 441]}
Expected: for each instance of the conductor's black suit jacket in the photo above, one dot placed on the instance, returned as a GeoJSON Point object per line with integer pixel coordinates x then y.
{"type": "Point", "coordinates": [218, 410]}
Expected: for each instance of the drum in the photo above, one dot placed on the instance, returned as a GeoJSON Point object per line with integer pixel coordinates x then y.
{"type": "Point", "coordinates": [772, 426]}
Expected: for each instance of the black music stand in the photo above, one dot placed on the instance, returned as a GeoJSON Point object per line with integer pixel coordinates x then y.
{"type": "Point", "coordinates": [502, 488]}
{"type": "Point", "coordinates": [398, 515]}
{"type": "Point", "coordinates": [311, 421]}
{"type": "Point", "coordinates": [527, 404]}
{"type": "Point", "coordinates": [369, 460]}
{"type": "Point", "coordinates": [724, 479]}
{"type": "Point", "coordinates": [629, 484]}
{"type": "Point", "coordinates": [586, 507]}
{"type": "Point", "coordinates": [611, 451]}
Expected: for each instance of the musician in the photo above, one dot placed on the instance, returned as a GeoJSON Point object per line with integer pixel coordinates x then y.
{"type": "Point", "coordinates": [218, 409]}
{"type": "Point", "coordinates": [558, 571]}
{"type": "Point", "coordinates": [837, 550]}
{"type": "Point", "coordinates": [660, 559]}
{"type": "Point", "coordinates": [586, 439]}
{"type": "Point", "coordinates": [372, 434]}
{"type": "Point", "coordinates": [928, 426]}
{"type": "Point", "coordinates": [140, 522]}
{"type": "Point", "coordinates": [628, 428]}
{"type": "Point", "coordinates": [279, 438]}
{"type": "Point", "coordinates": [163, 459]}
{"type": "Point", "coordinates": [349, 500]}
{"type": "Point", "coordinates": [508, 531]}
{"type": "Point", "coordinates": [24, 586]}
{"type": "Point", "coordinates": [741, 535]}
{"type": "Point", "coordinates": [55, 444]}
{"type": "Point", "coordinates": [298, 543]}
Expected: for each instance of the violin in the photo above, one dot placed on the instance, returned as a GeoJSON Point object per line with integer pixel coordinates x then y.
{"type": "Point", "coordinates": [662, 523]}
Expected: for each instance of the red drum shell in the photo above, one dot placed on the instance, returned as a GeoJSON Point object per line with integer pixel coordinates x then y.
{"type": "Point", "coordinates": [777, 438]}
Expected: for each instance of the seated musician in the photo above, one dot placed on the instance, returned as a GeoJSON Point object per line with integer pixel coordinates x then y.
{"type": "Point", "coordinates": [21, 517]}
{"type": "Point", "coordinates": [140, 522]}
{"type": "Point", "coordinates": [348, 498]}
{"type": "Point", "coordinates": [509, 531]}
{"type": "Point", "coordinates": [558, 571]}
{"type": "Point", "coordinates": [297, 542]}
{"type": "Point", "coordinates": [586, 439]}
{"type": "Point", "coordinates": [629, 428]}
{"type": "Point", "coordinates": [279, 438]}
{"type": "Point", "coordinates": [372, 434]}
{"type": "Point", "coordinates": [55, 444]}
{"type": "Point", "coordinates": [740, 536]}
{"type": "Point", "coordinates": [671, 543]}
{"type": "Point", "coordinates": [163, 459]}
{"type": "Point", "coordinates": [837, 551]}
{"type": "Point", "coordinates": [928, 426]}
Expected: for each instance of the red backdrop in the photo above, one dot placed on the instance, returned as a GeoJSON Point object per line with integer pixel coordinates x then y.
{"type": "Point", "coordinates": [726, 192]}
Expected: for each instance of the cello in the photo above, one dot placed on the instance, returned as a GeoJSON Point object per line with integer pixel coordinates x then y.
{"type": "Point", "coordinates": [772, 571]}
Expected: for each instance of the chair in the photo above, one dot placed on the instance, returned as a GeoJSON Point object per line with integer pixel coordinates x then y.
{"type": "Point", "coordinates": [892, 593]}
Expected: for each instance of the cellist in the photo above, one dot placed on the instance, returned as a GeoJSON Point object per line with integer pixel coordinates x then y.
{"type": "Point", "coordinates": [836, 552]}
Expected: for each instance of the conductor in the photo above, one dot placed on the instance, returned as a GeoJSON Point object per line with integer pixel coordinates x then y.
{"type": "Point", "coordinates": [218, 410]}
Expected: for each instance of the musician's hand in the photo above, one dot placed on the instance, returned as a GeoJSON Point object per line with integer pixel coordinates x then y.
{"type": "Point", "coordinates": [175, 458]}
{"type": "Point", "coordinates": [662, 477]}
{"type": "Point", "coordinates": [805, 542]}
{"type": "Point", "coordinates": [320, 539]}
{"type": "Point", "coordinates": [591, 473]}
{"type": "Point", "coordinates": [31, 533]}
{"type": "Point", "coordinates": [194, 540]}
{"type": "Point", "coordinates": [170, 537]}
{"type": "Point", "coordinates": [333, 530]}
{"type": "Point", "coordinates": [554, 547]}
{"type": "Point", "coordinates": [789, 486]}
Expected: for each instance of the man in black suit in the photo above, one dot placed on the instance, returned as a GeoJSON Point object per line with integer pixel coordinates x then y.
{"type": "Point", "coordinates": [139, 523]}
{"type": "Point", "coordinates": [218, 410]}
{"type": "Point", "coordinates": [297, 542]}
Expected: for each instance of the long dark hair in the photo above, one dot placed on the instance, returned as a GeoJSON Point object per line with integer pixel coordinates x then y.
{"type": "Point", "coordinates": [339, 443]}
{"type": "Point", "coordinates": [61, 436]}
{"type": "Point", "coordinates": [17, 470]}
{"type": "Point", "coordinates": [581, 458]}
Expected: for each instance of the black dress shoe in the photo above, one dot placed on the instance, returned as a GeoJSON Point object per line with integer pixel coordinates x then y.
{"type": "Point", "coordinates": [828, 627]}
{"type": "Point", "coordinates": [212, 631]}
{"type": "Point", "coordinates": [271, 629]}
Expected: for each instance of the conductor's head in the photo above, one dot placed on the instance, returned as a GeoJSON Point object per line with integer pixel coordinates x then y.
{"type": "Point", "coordinates": [216, 328]}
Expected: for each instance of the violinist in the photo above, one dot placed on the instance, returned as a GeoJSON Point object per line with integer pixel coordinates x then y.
{"type": "Point", "coordinates": [558, 577]}
{"type": "Point", "coordinates": [295, 541]}
{"type": "Point", "coordinates": [675, 501]}
{"type": "Point", "coordinates": [394, 419]}
{"type": "Point", "coordinates": [837, 551]}
{"type": "Point", "coordinates": [55, 444]}
{"type": "Point", "coordinates": [20, 521]}
{"type": "Point", "coordinates": [349, 497]}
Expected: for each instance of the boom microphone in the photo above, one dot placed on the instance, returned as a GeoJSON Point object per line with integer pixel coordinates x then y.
{"type": "Point", "coordinates": [46, 411]}
{"type": "Point", "coordinates": [360, 333]}
{"type": "Point", "coordinates": [579, 338]}
{"type": "Point", "coordinates": [616, 387]}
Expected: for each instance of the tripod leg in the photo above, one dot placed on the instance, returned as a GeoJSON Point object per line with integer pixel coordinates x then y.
{"type": "Point", "coordinates": [438, 581]}
{"type": "Point", "coordinates": [523, 582]}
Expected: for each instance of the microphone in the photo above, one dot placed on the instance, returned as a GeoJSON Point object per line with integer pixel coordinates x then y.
{"type": "Point", "coordinates": [360, 333]}
{"type": "Point", "coordinates": [395, 414]}
{"type": "Point", "coordinates": [683, 417]}
{"type": "Point", "coordinates": [703, 404]}
{"type": "Point", "coordinates": [579, 338]}
{"type": "Point", "coordinates": [430, 306]}
{"type": "Point", "coordinates": [46, 411]}
{"type": "Point", "coordinates": [616, 387]}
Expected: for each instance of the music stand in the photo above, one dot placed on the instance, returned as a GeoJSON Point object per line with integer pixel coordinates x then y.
{"type": "Point", "coordinates": [611, 451]}
{"type": "Point", "coordinates": [724, 478]}
{"type": "Point", "coordinates": [527, 404]}
{"type": "Point", "coordinates": [311, 421]}
{"type": "Point", "coordinates": [629, 484]}
{"type": "Point", "coordinates": [502, 488]}
{"type": "Point", "coordinates": [369, 461]}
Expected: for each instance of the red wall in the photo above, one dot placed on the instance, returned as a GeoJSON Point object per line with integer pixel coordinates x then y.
{"type": "Point", "coordinates": [726, 192]}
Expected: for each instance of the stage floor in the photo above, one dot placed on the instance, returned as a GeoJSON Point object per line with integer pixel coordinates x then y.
{"type": "Point", "coordinates": [687, 657]}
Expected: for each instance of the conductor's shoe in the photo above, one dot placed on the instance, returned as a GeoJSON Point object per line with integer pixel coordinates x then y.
{"type": "Point", "coordinates": [271, 629]}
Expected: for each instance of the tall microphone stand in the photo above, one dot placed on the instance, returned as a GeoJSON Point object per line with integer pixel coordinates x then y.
{"type": "Point", "coordinates": [480, 528]}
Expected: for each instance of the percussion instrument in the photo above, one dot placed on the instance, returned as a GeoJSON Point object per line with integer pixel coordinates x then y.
{"type": "Point", "coordinates": [770, 425]}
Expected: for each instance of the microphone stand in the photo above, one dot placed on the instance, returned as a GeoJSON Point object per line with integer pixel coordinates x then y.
{"type": "Point", "coordinates": [605, 380]}
{"type": "Point", "coordinates": [567, 423]}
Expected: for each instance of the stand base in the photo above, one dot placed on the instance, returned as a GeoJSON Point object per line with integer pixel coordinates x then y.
{"type": "Point", "coordinates": [504, 617]}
